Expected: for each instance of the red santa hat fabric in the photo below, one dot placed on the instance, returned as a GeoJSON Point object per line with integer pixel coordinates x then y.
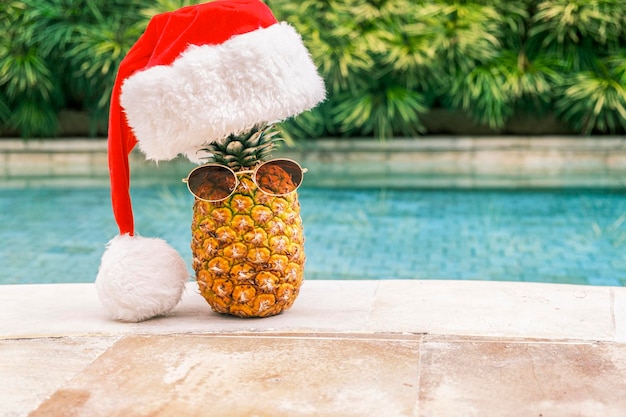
{"type": "Point", "coordinates": [195, 76]}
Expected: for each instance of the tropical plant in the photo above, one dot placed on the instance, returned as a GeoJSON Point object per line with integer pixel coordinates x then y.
{"type": "Point", "coordinates": [386, 63]}
{"type": "Point", "coordinates": [61, 54]}
{"type": "Point", "coordinates": [30, 94]}
{"type": "Point", "coordinates": [491, 70]}
{"type": "Point", "coordinates": [161, 6]}
{"type": "Point", "coordinates": [563, 22]}
{"type": "Point", "coordinates": [595, 100]}
{"type": "Point", "coordinates": [536, 57]}
{"type": "Point", "coordinates": [91, 37]}
{"type": "Point", "coordinates": [589, 39]}
{"type": "Point", "coordinates": [353, 42]}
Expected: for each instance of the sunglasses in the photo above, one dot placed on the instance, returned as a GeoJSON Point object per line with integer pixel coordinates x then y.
{"type": "Point", "coordinates": [214, 182]}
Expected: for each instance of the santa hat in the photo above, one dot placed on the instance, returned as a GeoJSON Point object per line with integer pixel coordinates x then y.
{"type": "Point", "coordinates": [195, 76]}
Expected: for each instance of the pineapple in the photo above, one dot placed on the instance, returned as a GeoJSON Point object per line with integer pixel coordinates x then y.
{"type": "Point", "coordinates": [248, 250]}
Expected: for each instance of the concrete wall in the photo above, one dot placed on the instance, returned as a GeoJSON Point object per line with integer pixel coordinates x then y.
{"type": "Point", "coordinates": [424, 162]}
{"type": "Point", "coordinates": [469, 161]}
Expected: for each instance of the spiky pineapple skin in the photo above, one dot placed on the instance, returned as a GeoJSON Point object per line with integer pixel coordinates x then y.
{"type": "Point", "coordinates": [248, 251]}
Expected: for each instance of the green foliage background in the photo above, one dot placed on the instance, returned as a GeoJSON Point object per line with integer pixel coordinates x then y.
{"type": "Point", "coordinates": [386, 63]}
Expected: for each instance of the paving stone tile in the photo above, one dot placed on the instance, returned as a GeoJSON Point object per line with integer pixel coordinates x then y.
{"type": "Point", "coordinates": [345, 308]}
{"type": "Point", "coordinates": [184, 375]}
{"type": "Point", "coordinates": [33, 369]}
{"type": "Point", "coordinates": [522, 379]}
{"type": "Point", "coordinates": [619, 313]}
{"type": "Point", "coordinates": [74, 309]}
{"type": "Point", "coordinates": [509, 309]}
{"type": "Point", "coordinates": [54, 310]}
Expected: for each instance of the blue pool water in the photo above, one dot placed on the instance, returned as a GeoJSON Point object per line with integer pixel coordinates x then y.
{"type": "Point", "coordinates": [575, 236]}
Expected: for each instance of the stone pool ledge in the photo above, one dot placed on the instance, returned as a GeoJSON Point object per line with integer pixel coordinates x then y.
{"type": "Point", "coordinates": [346, 348]}
{"type": "Point", "coordinates": [428, 162]}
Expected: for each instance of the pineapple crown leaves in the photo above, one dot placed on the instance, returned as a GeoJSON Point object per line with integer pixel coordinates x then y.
{"type": "Point", "coordinates": [243, 150]}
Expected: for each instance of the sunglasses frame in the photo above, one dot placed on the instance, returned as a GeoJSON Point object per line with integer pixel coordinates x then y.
{"type": "Point", "coordinates": [247, 171]}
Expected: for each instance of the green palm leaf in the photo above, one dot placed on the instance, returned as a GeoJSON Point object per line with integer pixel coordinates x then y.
{"type": "Point", "coordinates": [482, 94]}
{"type": "Point", "coordinates": [593, 102]}
{"type": "Point", "coordinates": [33, 119]}
{"type": "Point", "coordinates": [5, 109]}
{"type": "Point", "coordinates": [311, 124]}
{"type": "Point", "coordinates": [383, 111]}
{"type": "Point", "coordinates": [162, 6]}
{"type": "Point", "coordinates": [462, 33]}
{"type": "Point", "coordinates": [564, 21]}
{"type": "Point", "coordinates": [530, 80]}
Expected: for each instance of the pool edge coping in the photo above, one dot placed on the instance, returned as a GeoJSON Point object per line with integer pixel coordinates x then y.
{"type": "Point", "coordinates": [423, 162]}
{"type": "Point", "coordinates": [461, 308]}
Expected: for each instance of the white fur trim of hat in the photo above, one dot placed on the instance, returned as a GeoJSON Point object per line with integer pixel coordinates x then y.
{"type": "Point", "coordinates": [211, 91]}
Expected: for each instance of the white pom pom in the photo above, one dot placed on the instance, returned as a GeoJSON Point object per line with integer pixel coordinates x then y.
{"type": "Point", "coordinates": [140, 278]}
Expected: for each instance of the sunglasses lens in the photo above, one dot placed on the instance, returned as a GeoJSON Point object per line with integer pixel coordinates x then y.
{"type": "Point", "coordinates": [279, 177]}
{"type": "Point", "coordinates": [212, 183]}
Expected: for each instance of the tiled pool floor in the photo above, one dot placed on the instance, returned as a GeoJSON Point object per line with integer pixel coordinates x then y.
{"type": "Point", "coordinates": [455, 224]}
{"type": "Point", "coordinates": [573, 236]}
{"type": "Point", "coordinates": [346, 348]}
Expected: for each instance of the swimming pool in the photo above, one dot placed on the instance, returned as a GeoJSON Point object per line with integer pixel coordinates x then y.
{"type": "Point", "coordinates": [57, 234]}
